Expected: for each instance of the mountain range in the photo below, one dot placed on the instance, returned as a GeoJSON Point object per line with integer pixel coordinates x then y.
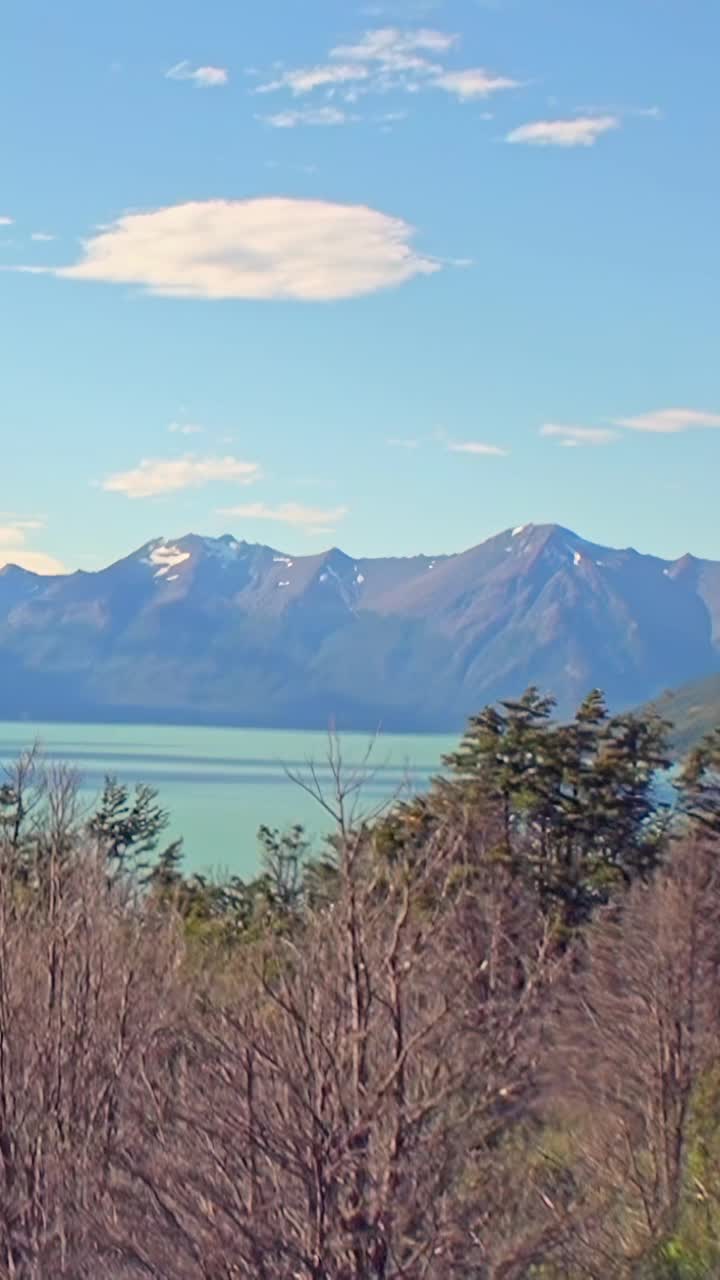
{"type": "Point", "coordinates": [216, 630]}
{"type": "Point", "coordinates": [693, 710]}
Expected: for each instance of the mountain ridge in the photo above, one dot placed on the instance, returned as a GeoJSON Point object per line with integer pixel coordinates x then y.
{"type": "Point", "coordinates": [693, 710]}
{"type": "Point", "coordinates": [221, 630]}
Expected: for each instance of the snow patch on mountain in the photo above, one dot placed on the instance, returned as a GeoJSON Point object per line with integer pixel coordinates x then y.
{"type": "Point", "coordinates": [167, 557]}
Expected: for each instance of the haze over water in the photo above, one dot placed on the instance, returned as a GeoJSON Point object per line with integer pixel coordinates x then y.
{"type": "Point", "coordinates": [219, 785]}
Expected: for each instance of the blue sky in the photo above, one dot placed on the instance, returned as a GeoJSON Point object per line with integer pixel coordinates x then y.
{"type": "Point", "coordinates": [392, 276]}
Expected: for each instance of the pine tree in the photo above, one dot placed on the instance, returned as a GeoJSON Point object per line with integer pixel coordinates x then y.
{"type": "Point", "coordinates": [128, 826]}
{"type": "Point", "coordinates": [698, 785]}
{"type": "Point", "coordinates": [610, 826]}
{"type": "Point", "coordinates": [631, 823]}
{"type": "Point", "coordinates": [502, 762]}
{"type": "Point", "coordinates": [576, 803]}
{"type": "Point", "coordinates": [166, 875]}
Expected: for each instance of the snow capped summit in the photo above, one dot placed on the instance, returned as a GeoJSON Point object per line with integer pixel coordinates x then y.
{"type": "Point", "coordinates": [214, 627]}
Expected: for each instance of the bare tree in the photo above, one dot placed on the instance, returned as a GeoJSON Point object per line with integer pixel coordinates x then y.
{"type": "Point", "coordinates": [335, 1108]}
{"type": "Point", "coordinates": [40, 815]}
{"type": "Point", "coordinates": [413, 1081]}
{"type": "Point", "coordinates": [638, 1031]}
{"type": "Point", "coordinates": [84, 979]}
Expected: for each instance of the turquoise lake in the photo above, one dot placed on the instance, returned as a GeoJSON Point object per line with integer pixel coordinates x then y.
{"type": "Point", "coordinates": [219, 785]}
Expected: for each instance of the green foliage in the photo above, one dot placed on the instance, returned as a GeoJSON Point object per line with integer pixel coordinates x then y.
{"type": "Point", "coordinates": [21, 800]}
{"type": "Point", "coordinates": [244, 911]}
{"type": "Point", "coordinates": [568, 816]}
{"type": "Point", "coordinates": [575, 803]}
{"type": "Point", "coordinates": [699, 784]}
{"type": "Point", "coordinates": [694, 1251]}
{"type": "Point", "coordinates": [128, 825]}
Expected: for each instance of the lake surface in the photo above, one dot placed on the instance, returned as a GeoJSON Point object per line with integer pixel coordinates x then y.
{"type": "Point", "coordinates": [219, 785]}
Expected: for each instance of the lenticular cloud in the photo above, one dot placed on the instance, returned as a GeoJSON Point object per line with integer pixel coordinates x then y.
{"type": "Point", "coordinates": [308, 250]}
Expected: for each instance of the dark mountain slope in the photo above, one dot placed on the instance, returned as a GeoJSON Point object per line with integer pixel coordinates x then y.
{"type": "Point", "coordinates": [228, 631]}
{"type": "Point", "coordinates": [693, 710]}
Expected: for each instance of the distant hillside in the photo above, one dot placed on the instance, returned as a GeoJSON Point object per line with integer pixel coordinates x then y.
{"type": "Point", "coordinates": [694, 710]}
{"type": "Point", "coordinates": [216, 630]}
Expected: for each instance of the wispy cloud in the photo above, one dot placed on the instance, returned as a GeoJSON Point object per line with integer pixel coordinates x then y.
{"type": "Point", "coordinates": [670, 421]}
{"type": "Point", "coordinates": [41, 562]}
{"type": "Point", "coordinates": [398, 50]}
{"type": "Point", "coordinates": [572, 437]}
{"type": "Point", "coordinates": [13, 545]}
{"type": "Point", "coordinates": [276, 248]}
{"type": "Point", "coordinates": [390, 58]}
{"type": "Point", "coordinates": [21, 524]}
{"type": "Point", "coordinates": [306, 79]}
{"type": "Point", "coordinates": [6, 222]}
{"type": "Point", "coordinates": [186, 428]}
{"type": "Point", "coordinates": [583, 131]}
{"type": "Point", "coordinates": [11, 536]}
{"type": "Point", "coordinates": [401, 442]}
{"type": "Point", "coordinates": [478, 448]}
{"type": "Point", "coordinates": [316, 116]}
{"type": "Point", "coordinates": [474, 82]}
{"type": "Point", "coordinates": [313, 520]}
{"type": "Point", "coordinates": [623, 112]}
{"type": "Point", "coordinates": [156, 476]}
{"type": "Point", "coordinates": [200, 77]}
{"type": "Point", "coordinates": [43, 237]}
{"type": "Point", "coordinates": [390, 117]}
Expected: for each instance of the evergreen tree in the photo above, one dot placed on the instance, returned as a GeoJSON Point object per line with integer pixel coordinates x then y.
{"type": "Point", "coordinates": [631, 823]}
{"type": "Point", "coordinates": [699, 784]}
{"type": "Point", "coordinates": [128, 825]}
{"type": "Point", "coordinates": [283, 856]}
{"type": "Point", "coordinates": [576, 803]}
{"type": "Point", "coordinates": [166, 875]}
{"type": "Point", "coordinates": [502, 761]}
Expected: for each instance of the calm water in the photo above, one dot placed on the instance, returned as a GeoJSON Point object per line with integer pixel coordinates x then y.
{"type": "Point", "coordinates": [219, 785]}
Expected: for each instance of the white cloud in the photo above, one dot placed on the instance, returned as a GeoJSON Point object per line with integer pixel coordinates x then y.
{"type": "Point", "coordinates": [397, 50]}
{"type": "Point", "coordinates": [399, 442]}
{"type": "Point", "coordinates": [6, 222]}
{"type": "Point", "coordinates": [670, 421]}
{"type": "Point", "coordinates": [391, 117]}
{"type": "Point", "coordinates": [186, 428]}
{"type": "Point", "coordinates": [306, 79]}
{"type": "Point", "coordinates": [156, 476]}
{"type": "Point", "coordinates": [42, 236]}
{"type": "Point", "coordinates": [200, 77]}
{"type": "Point", "coordinates": [474, 82]}
{"type": "Point", "coordinates": [319, 116]}
{"type": "Point", "coordinates": [11, 536]}
{"type": "Point", "coordinates": [583, 131]}
{"type": "Point", "coordinates": [315, 520]}
{"type": "Point", "coordinates": [22, 523]}
{"type": "Point", "coordinates": [13, 549]}
{"type": "Point", "coordinates": [309, 250]}
{"type": "Point", "coordinates": [35, 561]}
{"type": "Point", "coordinates": [390, 58]}
{"type": "Point", "coordinates": [571, 437]}
{"type": "Point", "coordinates": [478, 448]}
{"type": "Point", "coordinates": [400, 51]}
